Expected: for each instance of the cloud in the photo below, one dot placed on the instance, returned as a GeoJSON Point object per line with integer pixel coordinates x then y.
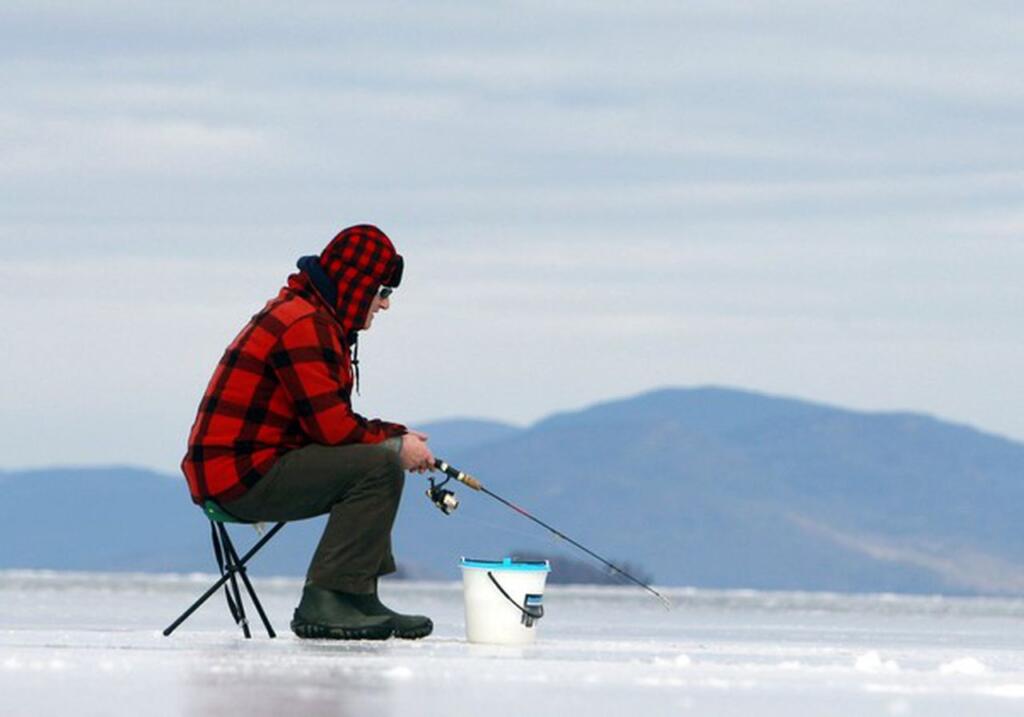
{"type": "Point", "coordinates": [818, 198]}
{"type": "Point", "coordinates": [124, 147]}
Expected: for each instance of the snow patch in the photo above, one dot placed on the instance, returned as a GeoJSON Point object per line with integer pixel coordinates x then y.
{"type": "Point", "coordinates": [660, 682]}
{"type": "Point", "coordinates": [963, 666]}
{"type": "Point", "coordinates": [1013, 691]}
{"type": "Point", "coordinates": [398, 673]}
{"type": "Point", "coordinates": [681, 660]}
{"type": "Point", "coordinates": [111, 665]}
{"type": "Point", "coordinates": [897, 708]}
{"type": "Point", "coordinates": [873, 663]}
{"type": "Point", "coordinates": [54, 664]}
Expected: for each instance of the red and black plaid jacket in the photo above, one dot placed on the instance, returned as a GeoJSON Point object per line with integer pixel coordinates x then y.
{"type": "Point", "coordinates": [286, 379]}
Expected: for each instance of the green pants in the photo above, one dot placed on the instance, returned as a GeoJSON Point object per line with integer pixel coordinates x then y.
{"type": "Point", "coordinates": [360, 486]}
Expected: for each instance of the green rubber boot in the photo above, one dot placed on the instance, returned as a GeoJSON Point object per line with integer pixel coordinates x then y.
{"type": "Point", "coordinates": [328, 614]}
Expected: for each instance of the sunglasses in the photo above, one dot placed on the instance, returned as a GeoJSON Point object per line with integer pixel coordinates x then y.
{"type": "Point", "coordinates": [385, 292]}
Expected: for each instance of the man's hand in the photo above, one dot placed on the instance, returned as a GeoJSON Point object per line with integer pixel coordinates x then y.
{"type": "Point", "coordinates": [415, 456]}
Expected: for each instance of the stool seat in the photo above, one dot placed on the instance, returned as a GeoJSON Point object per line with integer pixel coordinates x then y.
{"type": "Point", "coordinates": [217, 514]}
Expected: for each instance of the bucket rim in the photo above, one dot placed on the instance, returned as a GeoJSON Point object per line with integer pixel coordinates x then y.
{"type": "Point", "coordinates": [510, 564]}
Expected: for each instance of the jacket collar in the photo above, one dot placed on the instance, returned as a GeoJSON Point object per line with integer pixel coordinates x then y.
{"type": "Point", "coordinates": [328, 290]}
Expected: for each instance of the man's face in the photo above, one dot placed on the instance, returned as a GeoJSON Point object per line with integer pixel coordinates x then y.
{"type": "Point", "coordinates": [378, 304]}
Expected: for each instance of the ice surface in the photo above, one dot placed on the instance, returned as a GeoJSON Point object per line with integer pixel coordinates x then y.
{"type": "Point", "coordinates": [80, 644]}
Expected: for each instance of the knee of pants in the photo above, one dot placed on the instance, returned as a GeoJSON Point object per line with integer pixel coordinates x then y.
{"type": "Point", "coordinates": [388, 471]}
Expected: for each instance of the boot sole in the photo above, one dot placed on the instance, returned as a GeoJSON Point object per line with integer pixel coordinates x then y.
{"type": "Point", "coordinates": [415, 633]}
{"type": "Point", "coordinates": [316, 631]}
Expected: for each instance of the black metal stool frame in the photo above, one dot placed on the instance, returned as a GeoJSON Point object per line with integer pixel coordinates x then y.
{"type": "Point", "coordinates": [231, 565]}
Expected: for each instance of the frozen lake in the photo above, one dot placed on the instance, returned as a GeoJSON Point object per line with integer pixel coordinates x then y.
{"type": "Point", "coordinates": [88, 644]}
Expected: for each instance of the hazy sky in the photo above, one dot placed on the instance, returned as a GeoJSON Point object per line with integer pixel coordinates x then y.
{"type": "Point", "coordinates": [818, 199]}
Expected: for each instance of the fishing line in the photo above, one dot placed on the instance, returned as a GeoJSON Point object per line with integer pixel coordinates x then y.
{"type": "Point", "coordinates": [442, 498]}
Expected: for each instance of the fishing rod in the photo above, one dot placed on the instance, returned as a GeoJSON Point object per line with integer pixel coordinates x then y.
{"type": "Point", "coordinates": [447, 502]}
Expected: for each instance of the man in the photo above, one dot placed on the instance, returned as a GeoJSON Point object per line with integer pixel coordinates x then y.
{"type": "Point", "coordinates": [276, 437]}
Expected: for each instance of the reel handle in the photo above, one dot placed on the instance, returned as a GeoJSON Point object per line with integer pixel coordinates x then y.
{"type": "Point", "coordinates": [453, 472]}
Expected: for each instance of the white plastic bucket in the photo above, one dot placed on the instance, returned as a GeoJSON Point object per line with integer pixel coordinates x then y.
{"type": "Point", "coordinates": [504, 599]}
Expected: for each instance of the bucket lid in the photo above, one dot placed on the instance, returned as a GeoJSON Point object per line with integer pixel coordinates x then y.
{"type": "Point", "coordinates": [507, 564]}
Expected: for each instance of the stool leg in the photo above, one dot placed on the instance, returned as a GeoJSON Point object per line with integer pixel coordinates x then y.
{"type": "Point", "coordinates": [230, 560]}
{"type": "Point", "coordinates": [223, 578]}
{"type": "Point", "coordinates": [219, 552]}
{"type": "Point", "coordinates": [252, 591]}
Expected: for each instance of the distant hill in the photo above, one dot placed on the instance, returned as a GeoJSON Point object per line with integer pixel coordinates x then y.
{"type": "Point", "coordinates": [705, 486]}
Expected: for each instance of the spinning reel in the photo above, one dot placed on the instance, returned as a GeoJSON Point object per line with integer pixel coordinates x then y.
{"type": "Point", "coordinates": [443, 498]}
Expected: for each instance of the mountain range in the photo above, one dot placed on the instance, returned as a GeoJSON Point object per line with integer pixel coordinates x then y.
{"type": "Point", "coordinates": [710, 487]}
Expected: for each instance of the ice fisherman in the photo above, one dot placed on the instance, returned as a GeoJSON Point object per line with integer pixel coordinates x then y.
{"type": "Point", "coordinates": [276, 439]}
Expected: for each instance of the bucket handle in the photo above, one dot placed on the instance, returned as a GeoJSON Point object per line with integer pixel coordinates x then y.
{"type": "Point", "coordinates": [531, 613]}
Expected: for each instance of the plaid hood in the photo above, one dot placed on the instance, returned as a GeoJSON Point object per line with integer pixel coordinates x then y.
{"type": "Point", "coordinates": [349, 271]}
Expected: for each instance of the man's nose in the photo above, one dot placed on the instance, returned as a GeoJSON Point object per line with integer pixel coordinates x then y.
{"type": "Point", "coordinates": [385, 304]}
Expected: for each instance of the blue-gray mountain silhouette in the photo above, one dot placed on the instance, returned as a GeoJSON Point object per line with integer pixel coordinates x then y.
{"type": "Point", "coordinates": [709, 487]}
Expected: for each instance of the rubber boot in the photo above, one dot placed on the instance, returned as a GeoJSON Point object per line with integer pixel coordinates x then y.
{"type": "Point", "coordinates": [328, 614]}
{"type": "Point", "coordinates": [410, 627]}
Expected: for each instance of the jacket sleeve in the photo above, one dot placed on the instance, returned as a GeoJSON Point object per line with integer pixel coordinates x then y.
{"type": "Point", "coordinates": [309, 362]}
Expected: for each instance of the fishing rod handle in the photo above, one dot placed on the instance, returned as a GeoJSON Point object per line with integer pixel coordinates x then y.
{"type": "Point", "coordinates": [453, 472]}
